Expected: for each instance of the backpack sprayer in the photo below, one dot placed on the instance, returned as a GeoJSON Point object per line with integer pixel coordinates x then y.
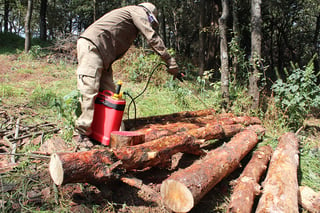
{"type": "Point", "coordinates": [109, 108]}
{"type": "Point", "coordinates": [108, 111]}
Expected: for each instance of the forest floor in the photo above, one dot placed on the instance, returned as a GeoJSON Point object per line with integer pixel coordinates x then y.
{"type": "Point", "coordinates": [26, 184]}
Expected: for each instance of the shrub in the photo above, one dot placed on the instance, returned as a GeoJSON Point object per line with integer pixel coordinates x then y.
{"type": "Point", "coordinates": [299, 94]}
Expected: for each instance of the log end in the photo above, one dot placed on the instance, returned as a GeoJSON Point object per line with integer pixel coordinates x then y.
{"type": "Point", "coordinates": [55, 169]}
{"type": "Point", "coordinates": [176, 196]}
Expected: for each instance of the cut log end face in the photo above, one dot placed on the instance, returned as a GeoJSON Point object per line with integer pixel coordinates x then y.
{"type": "Point", "coordinates": [176, 196]}
{"type": "Point", "coordinates": [56, 170]}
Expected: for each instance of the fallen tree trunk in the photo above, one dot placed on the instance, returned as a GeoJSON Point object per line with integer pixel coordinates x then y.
{"type": "Point", "coordinates": [97, 166]}
{"type": "Point", "coordinates": [164, 119]}
{"type": "Point", "coordinates": [155, 131]}
{"type": "Point", "coordinates": [280, 188]}
{"type": "Point", "coordinates": [184, 188]}
{"type": "Point", "coordinates": [247, 185]}
{"type": "Point", "coordinates": [158, 152]}
{"type": "Point", "coordinates": [309, 199]}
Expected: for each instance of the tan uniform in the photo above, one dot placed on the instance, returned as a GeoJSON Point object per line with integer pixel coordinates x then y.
{"type": "Point", "coordinates": [103, 42]}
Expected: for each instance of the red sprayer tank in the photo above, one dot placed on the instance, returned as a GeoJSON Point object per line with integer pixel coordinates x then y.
{"type": "Point", "coordinates": [108, 112]}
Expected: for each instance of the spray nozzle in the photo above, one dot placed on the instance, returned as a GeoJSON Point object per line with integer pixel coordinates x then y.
{"type": "Point", "coordinates": [118, 94]}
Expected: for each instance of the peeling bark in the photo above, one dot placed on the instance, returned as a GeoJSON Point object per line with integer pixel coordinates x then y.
{"type": "Point", "coordinates": [247, 185]}
{"type": "Point", "coordinates": [280, 188]}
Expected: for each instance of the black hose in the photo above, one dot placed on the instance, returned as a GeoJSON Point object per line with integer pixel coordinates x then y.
{"type": "Point", "coordinates": [145, 88]}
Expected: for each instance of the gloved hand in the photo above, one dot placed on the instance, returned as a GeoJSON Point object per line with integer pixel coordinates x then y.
{"type": "Point", "coordinates": [173, 68]}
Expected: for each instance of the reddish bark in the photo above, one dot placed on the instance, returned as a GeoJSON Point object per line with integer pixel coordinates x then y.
{"type": "Point", "coordinates": [156, 152]}
{"type": "Point", "coordinates": [95, 166]}
{"type": "Point", "coordinates": [155, 131]}
{"type": "Point", "coordinates": [247, 185]}
{"type": "Point", "coordinates": [164, 119]}
{"type": "Point", "coordinates": [184, 188]}
{"type": "Point", "coordinates": [280, 188]}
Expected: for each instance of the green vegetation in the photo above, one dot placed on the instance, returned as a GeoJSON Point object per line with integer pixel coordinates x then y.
{"type": "Point", "coordinates": [50, 91]}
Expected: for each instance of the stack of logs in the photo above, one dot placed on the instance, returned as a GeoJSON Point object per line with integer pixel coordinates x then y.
{"type": "Point", "coordinates": [154, 140]}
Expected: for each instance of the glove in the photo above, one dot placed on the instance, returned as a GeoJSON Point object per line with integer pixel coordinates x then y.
{"type": "Point", "coordinates": [173, 68]}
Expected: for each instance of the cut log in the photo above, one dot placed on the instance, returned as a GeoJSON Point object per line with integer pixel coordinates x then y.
{"type": "Point", "coordinates": [125, 138]}
{"type": "Point", "coordinates": [95, 167]}
{"type": "Point", "coordinates": [309, 199]}
{"type": "Point", "coordinates": [247, 185]}
{"type": "Point", "coordinates": [157, 152]}
{"type": "Point", "coordinates": [280, 188]}
{"type": "Point", "coordinates": [184, 188]}
{"type": "Point", "coordinates": [155, 131]}
{"type": "Point", "coordinates": [164, 119]}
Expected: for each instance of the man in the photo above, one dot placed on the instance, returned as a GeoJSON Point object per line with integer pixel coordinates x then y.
{"type": "Point", "coordinates": [105, 41]}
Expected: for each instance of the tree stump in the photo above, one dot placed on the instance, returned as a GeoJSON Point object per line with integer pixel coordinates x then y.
{"type": "Point", "coordinates": [125, 138]}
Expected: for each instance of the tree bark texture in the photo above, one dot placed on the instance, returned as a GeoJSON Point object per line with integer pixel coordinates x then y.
{"type": "Point", "coordinates": [27, 26]}
{"type": "Point", "coordinates": [224, 53]}
{"type": "Point", "coordinates": [6, 15]}
{"type": "Point", "coordinates": [184, 188]}
{"type": "Point", "coordinates": [201, 38]}
{"type": "Point", "coordinates": [236, 38]}
{"type": "Point", "coordinates": [95, 166]}
{"type": "Point", "coordinates": [280, 188]}
{"type": "Point", "coordinates": [155, 131]}
{"type": "Point", "coordinates": [156, 152]}
{"type": "Point", "coordinates": [98, 166]}
{"type": "Point", "coordinates": [247, 185]}
{"type": "Point", "coordinates": [256, 36]}
{"type": "Point", "coordinates": [309, 199]}
{"type": "Point", "coordinates": [43, 20]}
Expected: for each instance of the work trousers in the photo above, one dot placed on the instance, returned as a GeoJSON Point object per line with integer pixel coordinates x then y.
{"type": "Point", "coordinates": [93, 75]}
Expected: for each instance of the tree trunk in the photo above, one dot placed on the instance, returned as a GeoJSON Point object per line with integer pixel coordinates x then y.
{"type": "Point", "coordinates": [224, 53]}
{"type": "Point", "coordinates": [90, 166]}
{"type": "Point", "coordinates": [201, 37]}
{"type": "Point", "coordinates": [255, 59]}
{"type": "Point", "coordinates": [43, 20]}
{"type": "Point", "coordinates": [95, 167]}
{"type": "Point", "coordinates": [236, 33]}
{"type": "Point", "coordinates": [309, 199]}
{"type": "Point", "coordinates": [316, 44]}
{"type": "Point", "coordinates": [6, 15]}
{"type": "Point", "coordinates": [165, 119]}
{"type": "Point", "coordinates": [184, 188]}
{"type": "Point", "coordinates": [27, 43]}
{"type": "Point", "coordinates": [280, 188]}
{"type": "Point", "coordinates": [157, 152]}
{"type": "Point", "coordinates": [247, 185]}
{"type": "Point", "coordinates": [155, 131]}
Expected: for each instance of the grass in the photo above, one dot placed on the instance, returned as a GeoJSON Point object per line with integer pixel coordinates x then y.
{"type": "Point", "coordinates": [48, 89]}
